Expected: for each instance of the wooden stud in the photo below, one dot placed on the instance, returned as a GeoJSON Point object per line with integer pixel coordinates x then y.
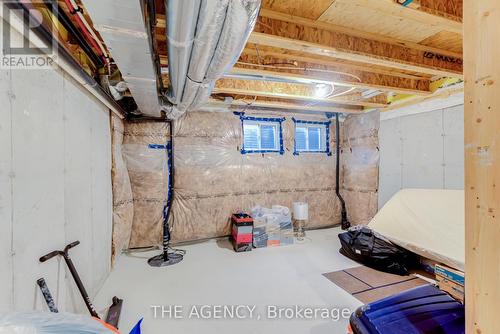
{"type": "Point", "coordinates": [482, 165]}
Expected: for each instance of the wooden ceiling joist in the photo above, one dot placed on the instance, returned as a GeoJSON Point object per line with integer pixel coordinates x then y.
{"type": "Point", "coordinates": [250, 103]}
{"type": "Point", "coordinates": [288, 34]}
{"type": "Point", "coordinates": [342, 65]}
{"type": "Point", "coordinates": [310, 77]}
{"type": "Point", "coordinates": [335, 28]}
{"type": "Point", "coordinates": [334, 74]}
{"type": "Point", "coordinates": [299, 44]}
{"type": "Point", "coordinates": [299, 92]}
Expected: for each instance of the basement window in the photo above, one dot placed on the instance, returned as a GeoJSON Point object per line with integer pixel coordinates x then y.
{"type": "Point", "coordinates": [312, 137]}
{"type": "Point", "coordinates": [261, 135]}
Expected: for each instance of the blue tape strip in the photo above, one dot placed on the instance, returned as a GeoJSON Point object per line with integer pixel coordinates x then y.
{"type": "Point", "coordinates": [170, 192]}
{"type": "Point", "coordinates": [282, 148]}
{"type": "Point", "coordinates": [300, 121]}
{"type": "Point", "coordinates": [168, 148]}
{"type": "Point", "coordinates": [259, 119]}
{"type": "Point", "coordinates": [157, 146]}
{"type": "Point", "coordinates": [262, 119]}
{"type": "Point", "coordinates": [327, 130]}
{"type": "Point", "coordinates": [406, 3]}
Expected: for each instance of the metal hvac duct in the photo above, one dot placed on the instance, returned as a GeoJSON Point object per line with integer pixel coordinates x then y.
{"type": "Point", "coordinates": [205, 39]}
{"type": "Point", "coordinates": [122, 26]}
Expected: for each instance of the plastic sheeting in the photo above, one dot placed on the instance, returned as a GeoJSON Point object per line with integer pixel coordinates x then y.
{"type": "Point", "coordinates": [213, 179]}
{"type": "Point", "coordinates": [146, 157]}
{"type": "Point", "coordinates": [123, 207]}
{"type": "Point", "coordinates": [49, 323]}
{"type": "Point", "coordinates": [429, 222]}
{"type": "Point", "coordinates": [360, 161]}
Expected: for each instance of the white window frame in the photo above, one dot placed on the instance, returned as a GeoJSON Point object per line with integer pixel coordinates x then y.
{"type": "Point", "coordinates": [277, 135]}
{"type": "Point", "coordinates": [322, 137]}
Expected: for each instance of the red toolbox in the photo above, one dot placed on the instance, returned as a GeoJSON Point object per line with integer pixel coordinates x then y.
{"type": "Point", "coordinates": [242, 232]}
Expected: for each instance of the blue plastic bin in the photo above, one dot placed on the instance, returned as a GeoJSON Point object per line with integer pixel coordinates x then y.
{"type": "Point", "coordinates": [423, 310]}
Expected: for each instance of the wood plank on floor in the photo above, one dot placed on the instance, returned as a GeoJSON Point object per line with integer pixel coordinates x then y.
{"type": "Point", "coordinates": [368, 285]}
{"type": "Point", "coordinates": [347, 282]}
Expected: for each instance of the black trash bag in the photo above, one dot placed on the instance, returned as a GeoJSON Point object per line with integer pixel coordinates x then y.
{"type": "Point", "coordinates": [373, 250]}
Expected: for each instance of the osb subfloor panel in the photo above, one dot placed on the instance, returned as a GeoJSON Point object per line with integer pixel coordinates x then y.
{"type": "Point", "coordinates": [353, 13]}
{"type": "Point", "coordinates": [214, 274]}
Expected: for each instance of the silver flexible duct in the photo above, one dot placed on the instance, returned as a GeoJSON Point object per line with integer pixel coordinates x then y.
{"type": "Point", "coordinates": [182, 18]}
{"type": "Point", "coordinates": [204, 42]}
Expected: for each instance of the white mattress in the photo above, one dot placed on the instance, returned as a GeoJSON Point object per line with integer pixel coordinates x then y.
{"type": "Point", "coordinates": [429, 222]}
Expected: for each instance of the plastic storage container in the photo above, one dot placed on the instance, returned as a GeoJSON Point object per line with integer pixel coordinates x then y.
{"type": "Point", "coordinates": [423, 310]}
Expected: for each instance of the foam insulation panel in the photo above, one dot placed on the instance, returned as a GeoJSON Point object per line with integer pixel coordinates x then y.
{"type": "Point", "coordinates": [360, 160]}
{"type": "Point", "coordinates": [417, 219]}
{"type": "Point", "coordinates": [422, 150]}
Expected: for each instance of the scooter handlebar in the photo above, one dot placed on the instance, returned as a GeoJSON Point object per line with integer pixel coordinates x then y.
{"type": "Point", "coordinates": [62, 253]}
{"type": "Point", "coordinates": [71, 245]}
{"type": "Point", "coordinates": [50, 255]}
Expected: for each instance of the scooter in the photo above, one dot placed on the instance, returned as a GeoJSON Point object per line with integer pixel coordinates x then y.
{"type": "Point", "coordinates": [114, 311]}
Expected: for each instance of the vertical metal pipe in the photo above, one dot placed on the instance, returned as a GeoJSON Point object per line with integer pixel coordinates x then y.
{"type": "Point", "coordinates": [170, 193]}
{"type": "Point", "coordinates": [344, 221]}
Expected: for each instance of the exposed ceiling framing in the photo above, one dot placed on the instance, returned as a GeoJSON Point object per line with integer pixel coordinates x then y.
{"type": "Point", "coordinates": [368, 50]}
{"type": "Point", "coordinates": [340, 55]}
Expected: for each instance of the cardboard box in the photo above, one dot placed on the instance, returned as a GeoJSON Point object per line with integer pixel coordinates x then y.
{"type": "Point", "coordinates": [451, 281]}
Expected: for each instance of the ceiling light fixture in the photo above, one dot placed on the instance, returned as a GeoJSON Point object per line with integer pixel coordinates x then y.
{"type": "Point", "coordinates": [322, 90]}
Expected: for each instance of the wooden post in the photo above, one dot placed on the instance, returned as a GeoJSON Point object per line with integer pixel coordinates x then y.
{"type": "Point", "coordinates": [482, 164]}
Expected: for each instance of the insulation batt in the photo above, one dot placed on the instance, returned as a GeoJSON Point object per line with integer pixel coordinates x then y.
{"type": "Point", "coordinates": [148, 171]}
{"type": "Point", "coordinates": [213, 179]}
{"type": "Point", "coordinates": [123, 206]}
{"type": "Point", "coordinates": [360, 160]}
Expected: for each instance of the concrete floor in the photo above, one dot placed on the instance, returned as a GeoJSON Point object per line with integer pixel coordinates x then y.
{"type": "Point", "coordinates": [212, 274]}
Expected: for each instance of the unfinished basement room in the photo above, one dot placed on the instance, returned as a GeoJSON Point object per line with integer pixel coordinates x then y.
{"type": "Point", "coordinates": [249, 166]}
